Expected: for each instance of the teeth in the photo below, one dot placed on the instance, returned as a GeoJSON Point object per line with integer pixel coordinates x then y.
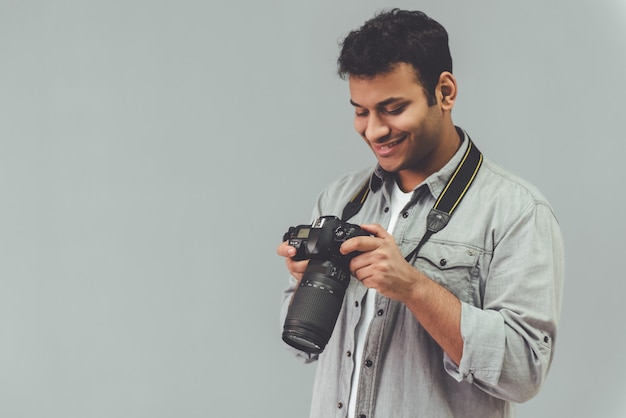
{"type": "Point", "coordinates": [391, 144]}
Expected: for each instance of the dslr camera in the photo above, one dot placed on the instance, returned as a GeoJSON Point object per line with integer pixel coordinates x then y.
{"type": "Point", "coordinates": [315, 306]}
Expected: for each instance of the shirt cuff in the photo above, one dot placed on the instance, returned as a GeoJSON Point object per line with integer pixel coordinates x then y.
{"type": "Point", "coordinates": [484, 339]}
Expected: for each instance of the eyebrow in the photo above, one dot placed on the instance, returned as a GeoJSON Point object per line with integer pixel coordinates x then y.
{"type": "Point", "coordinates": [380, 104]}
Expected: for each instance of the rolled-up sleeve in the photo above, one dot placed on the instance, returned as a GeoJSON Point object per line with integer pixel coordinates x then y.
{"type": "Point", "coordinates": [509, 340]}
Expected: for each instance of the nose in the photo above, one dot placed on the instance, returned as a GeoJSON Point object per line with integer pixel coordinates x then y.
{"type": "Point", "coordinates": [375, 128]}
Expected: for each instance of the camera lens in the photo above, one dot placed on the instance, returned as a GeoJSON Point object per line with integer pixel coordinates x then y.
{"type": "Point", "coordinates": [315, 306]}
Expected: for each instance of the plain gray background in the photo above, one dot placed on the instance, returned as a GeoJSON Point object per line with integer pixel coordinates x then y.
{"type": "Point", "coordinates": [154, 152]}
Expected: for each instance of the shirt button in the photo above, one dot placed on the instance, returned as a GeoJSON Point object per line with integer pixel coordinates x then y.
{"type": "Point", "coordinates": [368, 363]}
{"type": "Point", "coordinates": [339, 405]}
{"type": "Point", "coordinates": [356, 304]}
{"type": "Point", "coordinates": [405, 215]}
{"type": "Point", "coordinates": [386, 209]}
{"type": "Point", "coordinates": [443, 262]}
{"type": "Point", "coordinates": [380, 312]}
{"type": "Point", "coordinates": [546, 339]}
{"type": "Point", "coordinates": [362, 416]}
{"type": "Point", "coordinates": [348, 353]}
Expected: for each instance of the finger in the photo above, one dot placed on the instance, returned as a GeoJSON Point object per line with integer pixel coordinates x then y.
{"type": "Point", "coordinates": [296, 268]}
{"type": "Point", "coordinates": [365, 243]}
{"type": "Point", "coordinates": [362, 264]}
{"type": "Point", "coordinates": [376, 230]}
{"type": "Point", "coordinates": [362, 274]}
{"type": "Point", "coordinates": [286, 250]}
{"type": "Point", "coordinates": [360, 244]}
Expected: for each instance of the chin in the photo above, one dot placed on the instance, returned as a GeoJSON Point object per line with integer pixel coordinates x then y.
{"type": "Point", "coordinates": [390, 168]}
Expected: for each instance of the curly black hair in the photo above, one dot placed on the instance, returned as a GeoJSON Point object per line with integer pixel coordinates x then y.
{"type": "Point", "coordinates": [393, 37]}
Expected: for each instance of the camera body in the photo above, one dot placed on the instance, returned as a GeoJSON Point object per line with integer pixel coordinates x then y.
{"type": "Point", "coordinates": [321, 240]}
{"type": "Point", "coordinates": [316, 303]}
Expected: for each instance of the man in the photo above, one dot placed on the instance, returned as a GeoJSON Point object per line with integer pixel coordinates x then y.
{"type": "Point", "coordinates": [466, 328]}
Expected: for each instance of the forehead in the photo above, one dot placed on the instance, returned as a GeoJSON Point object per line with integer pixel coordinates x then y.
{"type": "Point", "coordinates": [400, 82]}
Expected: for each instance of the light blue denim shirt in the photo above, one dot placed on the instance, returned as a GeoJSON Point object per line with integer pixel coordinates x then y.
{"type": "Point", "coordinates": [501, 254]}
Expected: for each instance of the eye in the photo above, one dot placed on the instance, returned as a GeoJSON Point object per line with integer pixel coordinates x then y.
{"type": "Point", "coordinates": [395, 110]}
{"type": "Point", "coordinates": [360, 113]}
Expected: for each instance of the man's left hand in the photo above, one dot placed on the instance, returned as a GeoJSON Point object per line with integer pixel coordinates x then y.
{"type": "Point", "coordinates": [381, 265]}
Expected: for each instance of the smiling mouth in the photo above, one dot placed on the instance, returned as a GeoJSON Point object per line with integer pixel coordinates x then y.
{"type": "Point", "coordinates": [389, 145]}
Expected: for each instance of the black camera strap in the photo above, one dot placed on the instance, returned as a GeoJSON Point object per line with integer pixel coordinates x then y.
{"type": "Point", "coordinates": [356, 203]}
{"type": "Point", "coordinates": [448, 200]}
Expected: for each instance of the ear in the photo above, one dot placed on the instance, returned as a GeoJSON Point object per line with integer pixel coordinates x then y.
{"type": "Point", "coordinates": [446, 90]}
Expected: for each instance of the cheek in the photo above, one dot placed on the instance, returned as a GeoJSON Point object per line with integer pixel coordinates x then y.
{"type": "Point", "coordinates": [410, 123]}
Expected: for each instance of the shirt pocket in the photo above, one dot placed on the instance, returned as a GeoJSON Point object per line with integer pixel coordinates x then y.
{"type": "Point", "coordinates": [454, 266]}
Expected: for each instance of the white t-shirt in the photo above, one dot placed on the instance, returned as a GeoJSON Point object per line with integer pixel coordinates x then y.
{"type": "Point", "coordinates": [399, 200]}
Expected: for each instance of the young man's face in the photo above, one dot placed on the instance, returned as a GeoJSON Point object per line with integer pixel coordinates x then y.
{"type": "Point", "coordinates": [393, 117]}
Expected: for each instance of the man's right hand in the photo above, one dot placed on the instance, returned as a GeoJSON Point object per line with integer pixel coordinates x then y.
{"type": "Point", "coordinates": [296, 268]}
